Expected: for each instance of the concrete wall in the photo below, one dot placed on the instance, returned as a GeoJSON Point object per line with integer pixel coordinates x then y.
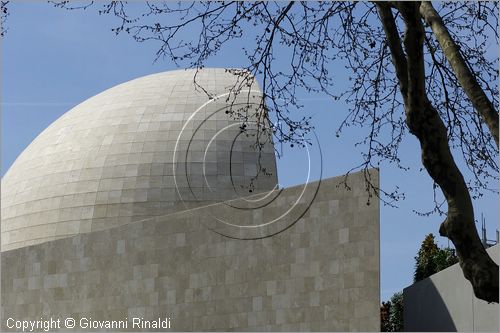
{"type": "Point", "coordinates": [445, 302]}
{"type": "Point", "coordinates": [320, 273]}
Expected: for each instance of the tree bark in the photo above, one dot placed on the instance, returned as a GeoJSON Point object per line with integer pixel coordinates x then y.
{"type": "Point", "coordinates": [424, 122]}
{"type": "Point", "coordinates": [464, 74]}
{"type": "Point", "coordinates": [397, 54]}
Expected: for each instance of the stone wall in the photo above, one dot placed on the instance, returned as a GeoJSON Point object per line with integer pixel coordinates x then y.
{"type": "Point", "coordinates": [307, 260]}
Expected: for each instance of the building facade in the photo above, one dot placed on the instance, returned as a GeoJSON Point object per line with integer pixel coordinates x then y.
{"type": "Point", "coordinates": [147, 205]}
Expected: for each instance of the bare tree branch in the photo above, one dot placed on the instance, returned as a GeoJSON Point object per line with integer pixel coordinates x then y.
{"type": "Point", "coordinates": [426, 124]}
{"type": "Point", "coordinates": [4, 13]}
{"type": "Point", "coordinates": [397, 53]}
{"type": "Point", "coordinates": [468, 81]}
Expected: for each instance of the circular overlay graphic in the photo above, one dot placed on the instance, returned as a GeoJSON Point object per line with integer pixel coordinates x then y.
{"type": "Point", "coordinates": [224, 153]}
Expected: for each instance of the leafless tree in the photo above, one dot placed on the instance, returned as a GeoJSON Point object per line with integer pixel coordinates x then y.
{"type": "Point", "coordinates": [4, 13]}
{"type": "Point", "coordinates": [414, 68]}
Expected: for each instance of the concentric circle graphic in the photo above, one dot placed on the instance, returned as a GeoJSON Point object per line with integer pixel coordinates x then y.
{"type": "Point", "coordinates": [231, 161]}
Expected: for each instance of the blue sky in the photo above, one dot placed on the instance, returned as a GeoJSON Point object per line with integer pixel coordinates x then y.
{"type": "Point", "coordinates": [54, 59]}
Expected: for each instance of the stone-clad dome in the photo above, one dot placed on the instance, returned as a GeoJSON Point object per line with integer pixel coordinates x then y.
{"type": "Point", "coordinates": [110, 160]}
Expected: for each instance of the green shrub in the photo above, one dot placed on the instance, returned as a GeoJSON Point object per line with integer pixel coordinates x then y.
{"type": "Point", "coordinates": [432, 259]}
{"type": "Point", "coordinates": [391, 314]}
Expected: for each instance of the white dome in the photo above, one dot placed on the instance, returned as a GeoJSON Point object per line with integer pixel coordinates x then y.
{"type": "Point", "coordinates": [110, 160]}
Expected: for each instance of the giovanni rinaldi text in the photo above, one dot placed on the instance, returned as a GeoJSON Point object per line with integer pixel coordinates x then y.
{"type": "Point", "coordinates": [84, 323]}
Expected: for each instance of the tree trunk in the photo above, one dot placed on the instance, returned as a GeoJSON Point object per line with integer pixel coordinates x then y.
{"type": "Point", "coordinates": [424, 122]}
{"type": "Point", "coordinates": [464, 74]}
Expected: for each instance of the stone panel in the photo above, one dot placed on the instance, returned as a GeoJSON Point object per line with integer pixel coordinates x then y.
{"type": "Point", "coordinates": [319, 273]}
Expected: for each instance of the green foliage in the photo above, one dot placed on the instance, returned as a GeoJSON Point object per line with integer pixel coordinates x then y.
{"type": "Point", "coordinates": [445, 258]}
{"type": "Point", "coordinates": [432, 259]}
{"type": "Point", "coordinates": [391, 314]}
{"type": "Point", "coordinates": [385, 311]}
{"type": "Point", "coordinates": [396, 313]}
